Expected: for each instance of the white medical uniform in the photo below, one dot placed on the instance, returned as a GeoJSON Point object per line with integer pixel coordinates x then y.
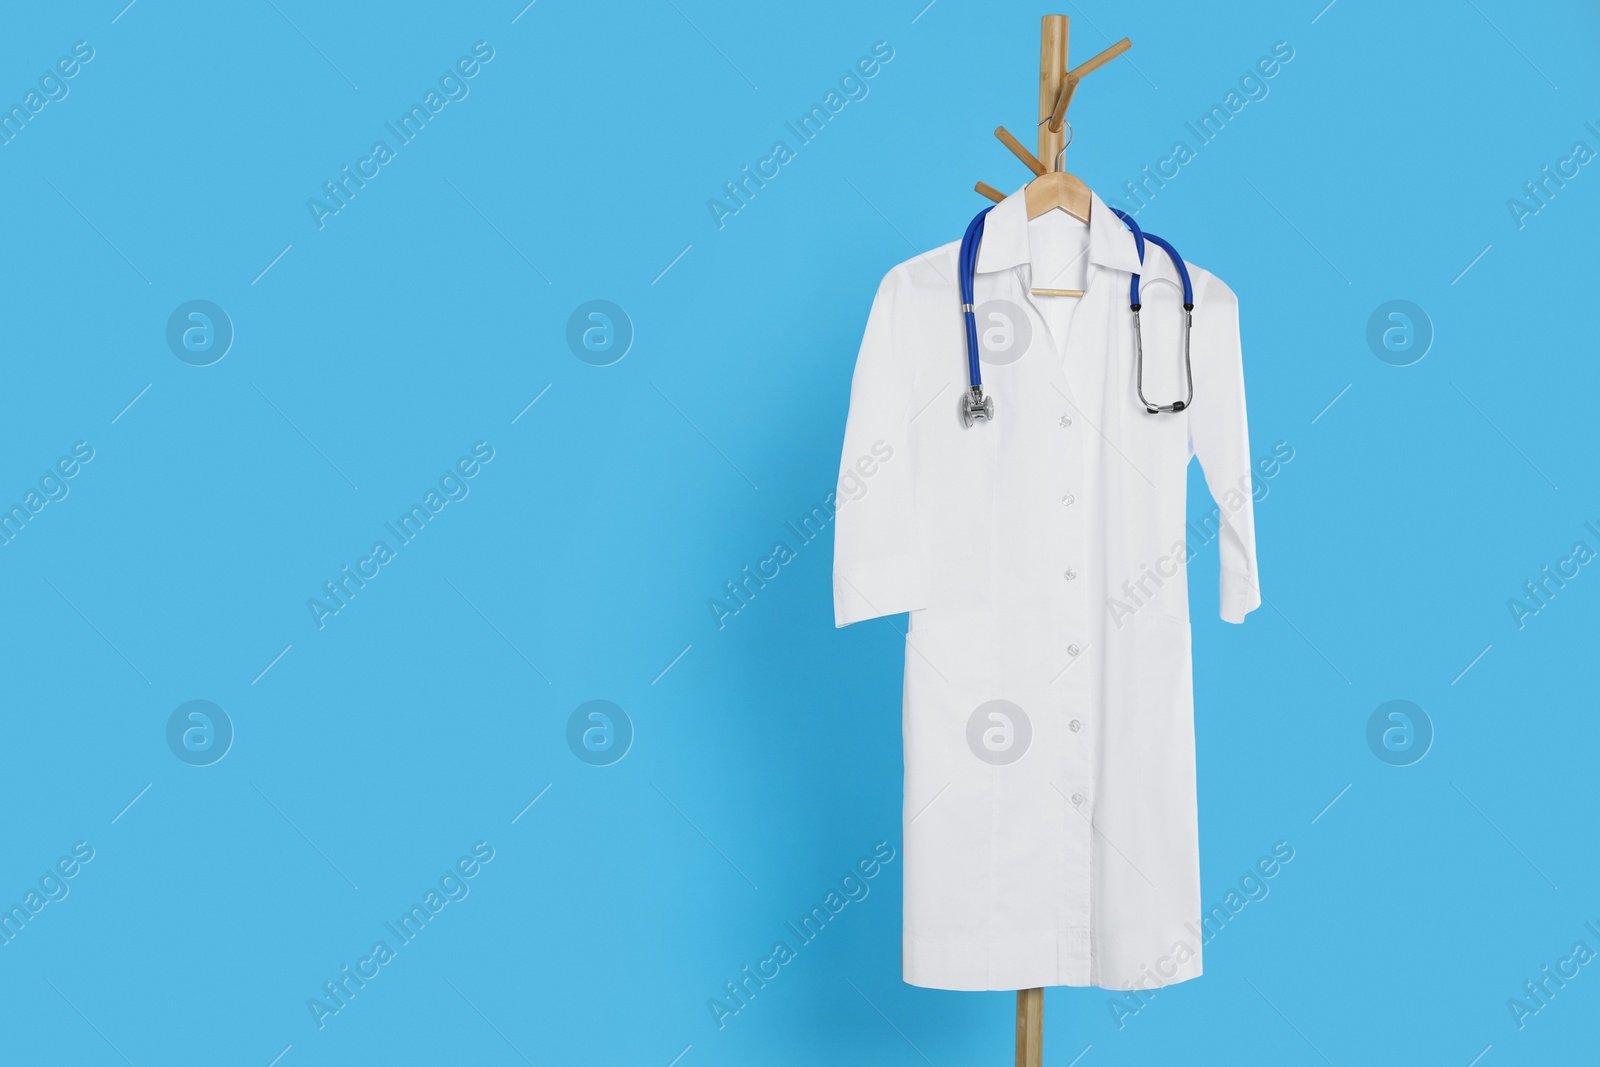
{"type": "Point", "coordinates": [1050, 824]}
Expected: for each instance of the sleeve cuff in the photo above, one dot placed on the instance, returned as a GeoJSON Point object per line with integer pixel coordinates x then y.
{"type": "Point", "coordinates": [1239, 598]}
{"type": "Point", "coordinates": [875, 590]}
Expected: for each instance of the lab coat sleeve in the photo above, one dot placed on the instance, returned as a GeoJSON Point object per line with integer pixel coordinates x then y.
{"type": "Point", "coordinates": [1220, 435]}
{"type": "Point", "coordinates": [876, 563]}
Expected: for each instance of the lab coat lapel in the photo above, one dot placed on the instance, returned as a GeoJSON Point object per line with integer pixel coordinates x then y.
{"type": "Point", "coordinates": [1094, 363]}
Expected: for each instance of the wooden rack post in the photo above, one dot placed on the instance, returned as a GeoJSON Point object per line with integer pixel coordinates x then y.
{"type": "Point", "coordinates": [1030, 1027]}
{"type": "Point", "coordinates": [1052, 79]}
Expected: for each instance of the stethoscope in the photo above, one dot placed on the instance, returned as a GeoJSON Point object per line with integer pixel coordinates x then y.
{"type": "Point", "coordinates": [975, 406]}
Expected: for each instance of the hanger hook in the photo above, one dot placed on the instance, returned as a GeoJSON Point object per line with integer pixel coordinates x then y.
{"type": "Point", "coordinates": [1068, 141]}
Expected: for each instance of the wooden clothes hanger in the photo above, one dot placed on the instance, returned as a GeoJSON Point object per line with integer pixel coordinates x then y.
{"type": "Point", "coordinates": [1050, 189]}
{"type": "Point", "coordinates": [1056, 190]}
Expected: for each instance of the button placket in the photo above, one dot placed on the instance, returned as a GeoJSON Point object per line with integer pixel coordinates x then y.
{"type": "Point", "coordinates": [1080, 778]}
{"type": "Point", "coordinates": [1076, 758]}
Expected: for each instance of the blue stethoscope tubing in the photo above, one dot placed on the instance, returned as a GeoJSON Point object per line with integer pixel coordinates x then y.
{"type": "Point", "coordinates": [976, 406]}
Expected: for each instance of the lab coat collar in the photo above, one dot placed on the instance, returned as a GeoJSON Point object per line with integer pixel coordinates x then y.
{"type": "Point", "coordinates": [1005, 237]}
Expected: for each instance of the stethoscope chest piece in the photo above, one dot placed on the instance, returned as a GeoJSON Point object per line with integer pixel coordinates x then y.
{"type": "Point", "coordinates": [975, 406]}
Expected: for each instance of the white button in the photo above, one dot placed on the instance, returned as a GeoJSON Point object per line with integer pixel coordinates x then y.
{"type": "Point", "coordinates": [1066, 420]}
{"type": "Point", "coordinates": [1073, 650]}
{"type": "Point", "coordinates": [1077, 798]}
{"type": "Point", "coordinates": [1076, 725]}
{"type": "Point", "coordinates": [1068, 500]}
{"type": "Point", "coordinates": [1069, 574]}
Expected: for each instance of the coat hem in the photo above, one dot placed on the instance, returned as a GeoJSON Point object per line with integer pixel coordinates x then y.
{"type": "Point", "coordinates": [1041, 961]}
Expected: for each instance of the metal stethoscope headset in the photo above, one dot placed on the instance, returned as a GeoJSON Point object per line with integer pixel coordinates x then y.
{"type": "Point", "coordinates": [975, 406]}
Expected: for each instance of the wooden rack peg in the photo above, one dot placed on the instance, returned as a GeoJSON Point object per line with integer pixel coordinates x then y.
{"type": "Point", "coordinates": [1075, 75]}
{"type": "Point", "coordinates": [1029, 160]}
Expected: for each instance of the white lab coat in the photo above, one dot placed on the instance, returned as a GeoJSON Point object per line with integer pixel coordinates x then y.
{"type": "Point", "coordinates": [1049, 812]}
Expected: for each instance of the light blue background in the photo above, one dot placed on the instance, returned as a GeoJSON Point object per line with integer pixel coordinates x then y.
{"type": "Point", "coordinates": [428, 313]}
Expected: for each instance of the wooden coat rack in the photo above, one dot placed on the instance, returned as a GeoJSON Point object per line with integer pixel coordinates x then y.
{"type": "Point", "coordinates": [1057, 85]}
